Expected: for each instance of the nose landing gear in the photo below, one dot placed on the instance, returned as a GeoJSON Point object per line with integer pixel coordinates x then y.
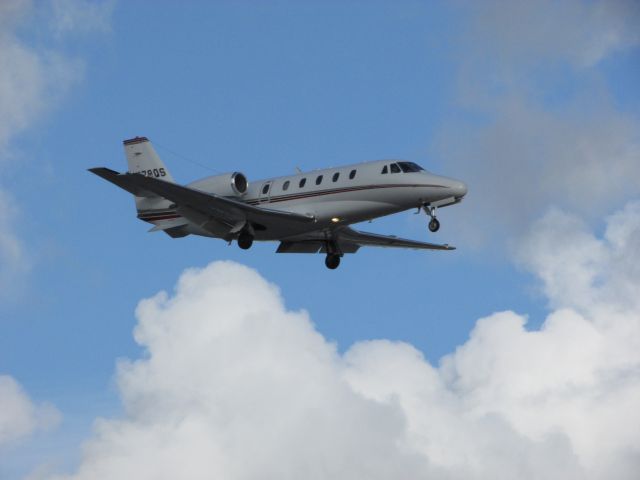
{"type": "Point", "coordinates": [434, 224]}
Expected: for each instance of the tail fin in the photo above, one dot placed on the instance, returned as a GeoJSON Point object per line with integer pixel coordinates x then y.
{"type": "Point", "coordinates": [152, 208]}
{"type": "Point", "coordinates": [142, 158]}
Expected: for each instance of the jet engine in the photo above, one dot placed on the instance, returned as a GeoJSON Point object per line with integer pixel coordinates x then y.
{"type": "Point", "coordinates": [226, 185]}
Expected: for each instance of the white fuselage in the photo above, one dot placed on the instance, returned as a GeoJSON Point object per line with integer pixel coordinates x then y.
{"type": "Point", "coordinates": [343, 195]}
{"type": "Point", "coordinates": [306, 212]}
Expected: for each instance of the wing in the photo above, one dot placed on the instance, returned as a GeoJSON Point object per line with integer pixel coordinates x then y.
{"type": "Point", "coordinates": [349, 241]}
{"type": "Point", "coordinates": [227, 210]}
{"type": "Point", "coordinates": [348, 235]}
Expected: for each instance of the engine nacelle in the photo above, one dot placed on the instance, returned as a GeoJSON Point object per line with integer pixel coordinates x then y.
{"type": "Point", "coordinates": [226, 185]}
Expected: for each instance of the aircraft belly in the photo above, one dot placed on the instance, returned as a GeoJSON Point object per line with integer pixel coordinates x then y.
{"type": "Point", "coordinates": [353, 212]}
{"type": "Point", "coordinates": [352, 207]}
{"type": "Point", "coordinates": [277, 232]}
{"type": "Point", "coordinates": [210, 228]}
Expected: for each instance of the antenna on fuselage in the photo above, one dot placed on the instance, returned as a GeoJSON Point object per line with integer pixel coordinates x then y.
{"type": "Point", "coordinates": [298, 170]}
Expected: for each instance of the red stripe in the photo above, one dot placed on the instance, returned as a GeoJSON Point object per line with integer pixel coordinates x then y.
{"type": "Point", "coordinates": [298, 196]}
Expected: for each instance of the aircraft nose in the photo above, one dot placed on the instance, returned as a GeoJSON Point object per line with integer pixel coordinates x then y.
{"type": "Point", "coordinates": [454, 188]}
{"type": "Point", "coordinates": [459, 189]}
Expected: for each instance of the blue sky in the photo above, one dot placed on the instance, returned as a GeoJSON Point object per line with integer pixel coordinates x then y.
{"type": "Point", "coordinates": [478, 92]}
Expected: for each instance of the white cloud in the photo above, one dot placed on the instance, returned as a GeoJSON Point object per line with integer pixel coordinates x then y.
{"type": "Point", "coordinates": [232, 385]}
{"type": "Point", "coordinates": [583, 157]}
{"type": "Point", "coordinates": [583, 32]}
{"type": "Point", "coordinates": [538, 124]}
{"type": "Point", "coordinates": [581, 270]}
{"type": "Point", "coordinates": [19, 416]}
{"type": "Point", "coordinates": [33, 79]}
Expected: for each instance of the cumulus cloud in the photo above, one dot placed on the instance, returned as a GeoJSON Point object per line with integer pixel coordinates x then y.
{"type": "Point", "coordinates": [537, 123]}
{"type": "Point", "coordinates": [233, 385]}
{"type": "Point", "coordinates": [19, 416]}
{"type": "Point", "coordinates": [579, 269]}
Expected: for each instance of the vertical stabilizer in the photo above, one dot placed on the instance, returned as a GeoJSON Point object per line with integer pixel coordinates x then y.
{"type": "Point", "coordinates": [143, 159]}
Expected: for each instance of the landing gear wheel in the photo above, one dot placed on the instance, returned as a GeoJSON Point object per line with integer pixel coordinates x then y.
{"type": "Point", "coordinates": [245, 240]}
{"type": "Point", "coordinates": [434, 225]}
{"type": "Point", "coordinates": [332, 261]}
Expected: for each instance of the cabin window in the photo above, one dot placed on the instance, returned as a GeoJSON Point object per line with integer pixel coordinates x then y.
{"type": "Point", "coordinates": [336, 176]}
{"type": "Point", "coordinates": [285, 185]}
{"type": "Point", "coordinates": [385, 169]}
{"type": "Point", "coordinates": [265, 189]}
{"type": "Point", "coordinates": [302, 182]}
{"type": "Point", "coordinates": [395, 168]}
{"type": "Point", "coordinates": [318, 179]}
{"type": "Point", "coordinates": [352, 174]}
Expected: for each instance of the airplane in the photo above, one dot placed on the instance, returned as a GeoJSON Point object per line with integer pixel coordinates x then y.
{"type": "Point", "coordinates": [307, 212]}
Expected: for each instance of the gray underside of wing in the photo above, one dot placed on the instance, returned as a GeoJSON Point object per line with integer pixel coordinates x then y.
{"type": "Point", "coordinates": [225, 209]}
{"type": "Point", "coordinates": [375, 240]}
{"type": "Point", "coordinates": [349, 241]}
{"type": "Point", "coordinates": [314, 246]}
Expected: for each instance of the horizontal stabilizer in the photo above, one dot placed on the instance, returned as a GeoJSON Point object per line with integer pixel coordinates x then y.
{"type": "Point", "coordinates": [122, 181]}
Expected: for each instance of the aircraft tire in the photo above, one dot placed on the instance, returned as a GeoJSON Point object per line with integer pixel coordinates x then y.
{"type": "Point", "coordinates": [332, 261]}
{"type": "Point", "coordinates": [245, 240]}
{"type": "Point", "coordinates": [434, 225]}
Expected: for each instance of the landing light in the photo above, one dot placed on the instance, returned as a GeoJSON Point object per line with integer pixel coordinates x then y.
{"type": "Point", "coordinates": [335, 219]}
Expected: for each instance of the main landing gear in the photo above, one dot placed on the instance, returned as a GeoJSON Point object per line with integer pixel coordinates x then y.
{"type": "Point", "coordinates": [245, 240]}
{"type": "Point", "coordinates": [434, 224]}
{"type": "Point", "coordinates": [332, 261]}
{"type": "Point", "coordinates": [334, 254]}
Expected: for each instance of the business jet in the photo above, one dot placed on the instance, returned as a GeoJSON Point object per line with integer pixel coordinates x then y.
{"type": "Point", "coordinates": [307, 212]}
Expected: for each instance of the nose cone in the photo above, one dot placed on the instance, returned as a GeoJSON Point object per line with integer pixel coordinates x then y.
{"type": "Point", "coordinates": [454, 188]}
{"type": "Point", "coordinates": [458, 189]}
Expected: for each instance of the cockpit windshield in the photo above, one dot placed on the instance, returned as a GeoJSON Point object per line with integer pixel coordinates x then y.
{"type": "Point", "coordinates": [408, 167]}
